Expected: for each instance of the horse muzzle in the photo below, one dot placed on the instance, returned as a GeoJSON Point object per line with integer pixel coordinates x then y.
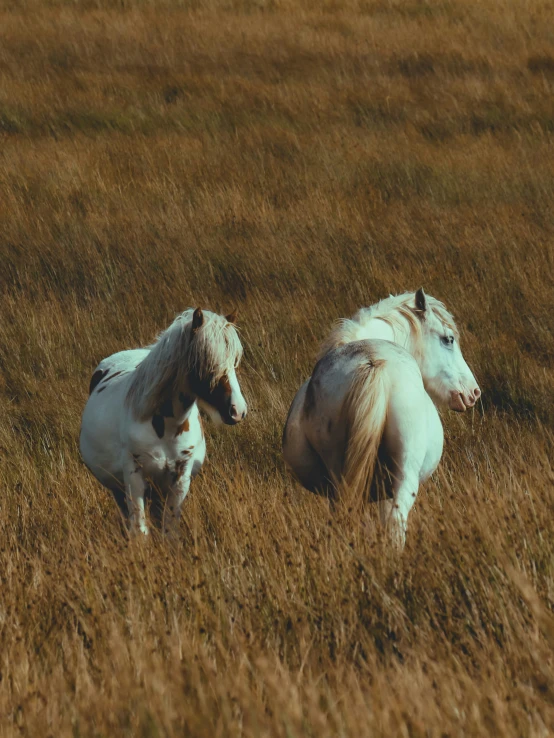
{"type": "Point", "coordinates": [460, 401]}
{"type": "Point", "coordinates": [234, 415]}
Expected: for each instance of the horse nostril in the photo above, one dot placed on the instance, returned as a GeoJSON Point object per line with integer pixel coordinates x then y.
{"type": "Point", "coordinates": [235, 414]}
{"type": "Point", "coordinates": [477, 393]}
{"type": "Point", "coordinates": [242, 417]}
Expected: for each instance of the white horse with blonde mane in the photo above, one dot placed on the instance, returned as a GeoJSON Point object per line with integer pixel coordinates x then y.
{"type": "Point", "coordinates": [141, 426]}
{"type": "Point", "coordinates": [372, 397]}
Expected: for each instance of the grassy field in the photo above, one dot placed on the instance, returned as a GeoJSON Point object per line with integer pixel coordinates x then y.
{"type": "Point", "coordinates": [297, 160]}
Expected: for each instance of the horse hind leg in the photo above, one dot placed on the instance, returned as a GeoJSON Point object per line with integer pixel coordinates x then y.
{"type": "Point", "coordinates": [306, 464]}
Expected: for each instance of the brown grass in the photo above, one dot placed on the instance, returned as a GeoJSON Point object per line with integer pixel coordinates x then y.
{"type": "Point", "coordinates": [297, 159]}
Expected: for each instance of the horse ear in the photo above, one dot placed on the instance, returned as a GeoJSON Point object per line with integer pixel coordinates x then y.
{"type": "Point", "coordinates": [420, 300]}
{"type": "Point", "coordinates": [197, 319]}
{"type": "Point", "coordinates": [232, 317]}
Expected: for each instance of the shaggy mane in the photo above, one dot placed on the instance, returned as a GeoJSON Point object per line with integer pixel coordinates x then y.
{"type": "Point", "coordinates": [399, 311]}
{"type": "Point", "coordinates": [211, 353]}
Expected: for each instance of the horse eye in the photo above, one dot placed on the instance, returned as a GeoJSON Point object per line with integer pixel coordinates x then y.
{"type": "Point", "coordinates": [447, 340]}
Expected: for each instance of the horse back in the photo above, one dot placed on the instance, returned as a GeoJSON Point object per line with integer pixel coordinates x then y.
{"type": "Point", "coordinates": [114, 366]}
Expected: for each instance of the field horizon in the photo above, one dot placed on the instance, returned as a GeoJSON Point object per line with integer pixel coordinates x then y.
{"type": "Point", "coordinates": [297, 161]}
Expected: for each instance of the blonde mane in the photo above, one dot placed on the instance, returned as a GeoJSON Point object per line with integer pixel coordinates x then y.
{"type": "Point", "coordinates": [398, 311]}
{"type": "Point", "coordinates": [212, 352]}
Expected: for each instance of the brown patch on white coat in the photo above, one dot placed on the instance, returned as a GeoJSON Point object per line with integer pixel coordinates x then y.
{"type": "Point", "coordinates": [183, 428]}
{"type": "Point", "coordinates": [96, 378]}
{"type": "Point", "coordinates": [218, 397]}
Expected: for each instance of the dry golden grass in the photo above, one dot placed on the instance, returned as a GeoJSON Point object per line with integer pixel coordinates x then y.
{"type": "Point", "coordinates": [297, 159]}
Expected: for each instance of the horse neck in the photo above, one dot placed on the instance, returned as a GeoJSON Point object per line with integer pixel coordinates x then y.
{"type": "Point", "coordinates": [396, 330]}
{"type": "Point", "coordinates": [157, 378]}
{"type": "Point", "coordinates": [179, 403]}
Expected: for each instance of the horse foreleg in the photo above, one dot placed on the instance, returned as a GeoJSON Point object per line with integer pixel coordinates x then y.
{"type": "Point", "coordinates": [406, 443]}
{"type": "Point", "coordinates": [385, 511]}
{"type": "Point", "coordinates": [405, 489]}
{"type": "Point", "coordinates": [405, 483]}
{"type": "Point", "coordinates": [416, 456]}
{"type": "Point", "coordinates": [135, 487]}
{"type": "Point", "coordinates": [172, 512]}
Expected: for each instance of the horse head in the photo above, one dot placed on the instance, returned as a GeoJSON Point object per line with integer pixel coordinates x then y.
{"type": "Point", "coordinates": [216, 352]}
{"type": "Point", "coordinates": [446, 375]}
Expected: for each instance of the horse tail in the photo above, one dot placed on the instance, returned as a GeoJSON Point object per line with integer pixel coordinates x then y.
{"type": "Point", "coordinates": [365, 411]}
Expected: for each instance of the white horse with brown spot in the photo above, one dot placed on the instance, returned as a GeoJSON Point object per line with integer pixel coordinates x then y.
{"type": "Point", "coordinates": [141, 425]}
{"type": "Point", "coordinates": [372, 395]}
